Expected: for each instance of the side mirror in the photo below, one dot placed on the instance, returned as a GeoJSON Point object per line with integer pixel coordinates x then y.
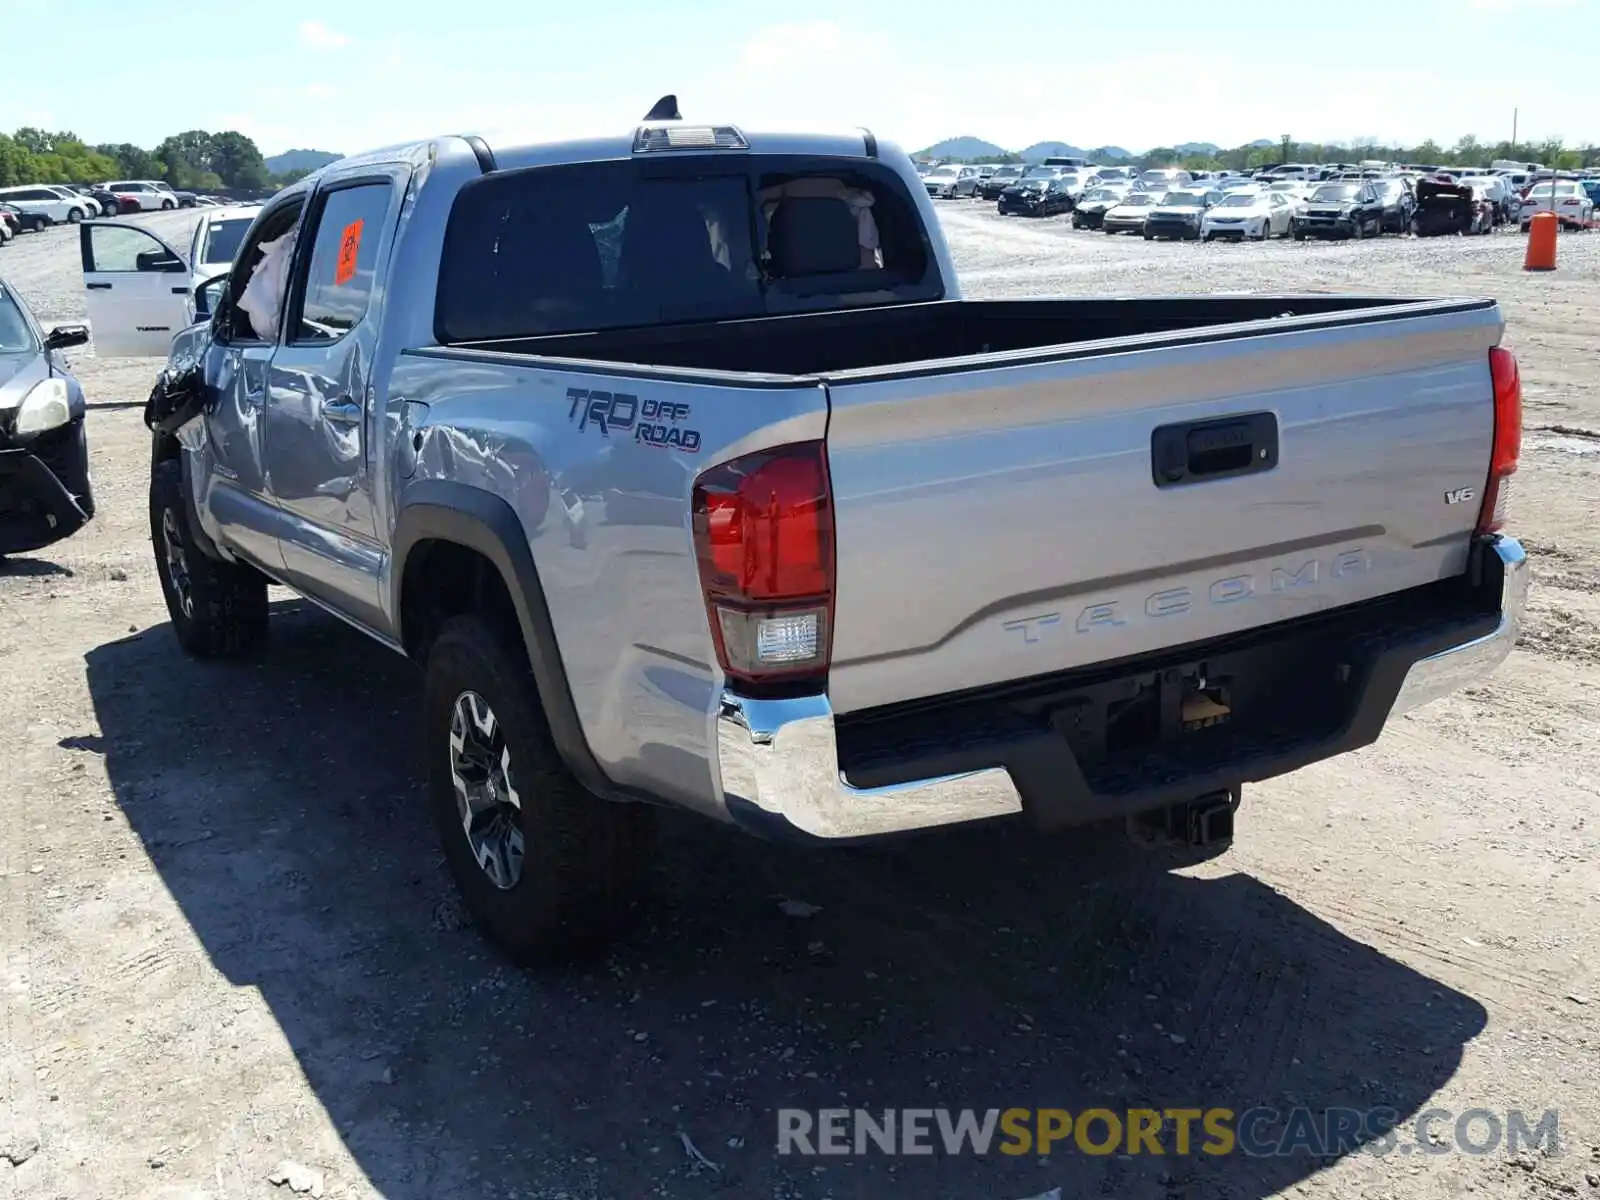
{"type": "Point", "coordinates": [63, 336]}
{"type": "Point", "coordinates": [209, 295]}
{"type": "Point", "coordinates": [158, 260]}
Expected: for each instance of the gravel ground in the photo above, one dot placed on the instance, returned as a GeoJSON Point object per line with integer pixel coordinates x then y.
{"type": "Point", "coordinates": [229, 941]}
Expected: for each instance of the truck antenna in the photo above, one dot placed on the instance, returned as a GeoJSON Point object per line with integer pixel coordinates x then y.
{"type": "Point", "coordinates": [666, 109]}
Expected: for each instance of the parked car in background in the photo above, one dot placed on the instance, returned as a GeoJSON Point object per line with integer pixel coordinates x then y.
{"type": "Point", "coordinates": [1129, 215]}
{"type": "Point", "coordinates": [1342, 209]}
{"type": "Point", "coordinates": [215, 242]}
{"type": "Point", "coordinates": [1493, 188]}
{"type": "Point", "coordinates": [1044, 197]}
{"type": "Point", "coordinates": [1092, 205]}
{"type": "Point", "coordinates": [44, 205]}
{"type": "Point", "coordinates": [110, 206]}
{"type": "Point", "coordinates": [1002, 178]}
{"type": "Point", "coordinates": [1165, 178]}
{"type": "Point", "coordinates": [44, 457]}
{"type": "Point", "coordinates": [1078, 182]}
{"type": "Point", "coordinates": [1114, 174]}
{"type": "Point", "coordinates": [1179, 213]}
{"type": "Point", "coordinates": [149, 196]}
{"type": "Point", "coordinates": [1450, 207]}
{"type": "Point", "coordinates": [1258, 215]}
{"type": "Point", "coordinates": [130, 275]}
{"type": "Point", "coordinates": [81, 196]}
{"type": "Point", "coordinates": [1564, 197]}
{"type": "Point", "coordinates": [10, 223]}
{"type": "Point", "coordinates": [1399, 203]}
{"type": "Point", "coordinates": [1591, 189]}
{"type": "Point", "coordinates": [948, 183]}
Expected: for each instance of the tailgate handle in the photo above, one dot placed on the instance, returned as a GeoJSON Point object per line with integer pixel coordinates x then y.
{"type": "Point", "coordinates": [1198, 451]}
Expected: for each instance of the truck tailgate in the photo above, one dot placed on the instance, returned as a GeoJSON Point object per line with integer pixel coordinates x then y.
{"type": "Point", "coordinates": [1002, 519]}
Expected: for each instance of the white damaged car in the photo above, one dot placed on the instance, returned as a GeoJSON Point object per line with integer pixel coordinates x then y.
{"type": "Point", "coordinates": [1257, 215]}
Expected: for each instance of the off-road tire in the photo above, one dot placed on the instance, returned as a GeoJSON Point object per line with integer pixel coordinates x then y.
{"type": "Point", "coordinates": [584, 860]}
{"type": "Point", "coordinates": [227, 613]}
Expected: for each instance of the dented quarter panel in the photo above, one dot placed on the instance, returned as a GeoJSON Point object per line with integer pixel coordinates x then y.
{"type": "Point", "coordinates": [606, 511]}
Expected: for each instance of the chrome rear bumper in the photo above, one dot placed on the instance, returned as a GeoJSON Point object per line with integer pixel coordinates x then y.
{"type": "Point", "coordinates": [1453, 669]}
{"type": "Point", "coordinates": [779, 759]}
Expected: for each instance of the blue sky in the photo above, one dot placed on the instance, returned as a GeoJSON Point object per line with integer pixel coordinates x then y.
{"type": "Point", "coordinates": [1131, 73]}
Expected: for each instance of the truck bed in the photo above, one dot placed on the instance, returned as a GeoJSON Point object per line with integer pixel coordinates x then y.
{"type": "Point", "coordinates": [1022, 488]}
{"type": "Point", "coordinates": [882, 339]}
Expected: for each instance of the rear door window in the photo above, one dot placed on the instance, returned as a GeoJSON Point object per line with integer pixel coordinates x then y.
{"type": "Point", "coordinates": [338, 276]}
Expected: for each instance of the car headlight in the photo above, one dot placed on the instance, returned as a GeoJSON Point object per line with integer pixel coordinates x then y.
{"type": "Point", "coordinates": [46, 406]}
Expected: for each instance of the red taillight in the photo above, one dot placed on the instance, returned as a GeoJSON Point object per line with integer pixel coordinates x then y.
{"type": "Point", "coordinates": [763, 532]}
{"type": "Point", "coordinates": [1507, 446]}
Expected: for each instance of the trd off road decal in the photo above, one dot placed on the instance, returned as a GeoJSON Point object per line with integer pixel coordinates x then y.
{"type": "Point", "coordinates": [652, 422]}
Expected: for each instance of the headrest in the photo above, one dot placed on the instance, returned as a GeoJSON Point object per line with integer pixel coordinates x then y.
{"type": "Point", "coordinates": [813, 235]}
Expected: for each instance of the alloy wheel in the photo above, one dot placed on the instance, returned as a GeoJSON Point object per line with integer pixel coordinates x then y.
{"type": "Point", "coordinates": [177, 563]}
{"type": "Point", "coordinates": [486, 798]}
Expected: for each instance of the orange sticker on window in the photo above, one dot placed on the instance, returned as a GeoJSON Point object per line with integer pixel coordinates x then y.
{"type": "Point", "coordinates": [349, 249]}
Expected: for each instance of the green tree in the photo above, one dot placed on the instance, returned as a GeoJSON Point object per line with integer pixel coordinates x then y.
{"type": "Point", "coordinates": [133, 162]}
{"type": "Point", "coordinates": [237, 162]}
{"type": "Point", "coordinates": [1429, 153]}
{"type": "Point", "coordinates": [17, 163]}
{"type": "Point", "coordinates": [186, 156]}
{"type": "Point", "coordinates": [34, 141]}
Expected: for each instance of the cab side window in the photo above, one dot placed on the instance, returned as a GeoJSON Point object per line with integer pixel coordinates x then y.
{"type": "Point", "coordinates": [337, 277]}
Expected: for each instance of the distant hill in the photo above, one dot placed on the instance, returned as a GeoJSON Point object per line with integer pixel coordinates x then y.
{"type": "Point", "coordinates": [976, 149]}
{"type": "Point", "coordinates": [959, 147]}
{"type": "Point", "coordinates": [300, 160]}
{"type": "Point", "coordinates": [1042, 150]}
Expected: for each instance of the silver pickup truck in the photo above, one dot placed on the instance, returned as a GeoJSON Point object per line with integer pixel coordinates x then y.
{"type": "Point", "coordinates": [680, 466]}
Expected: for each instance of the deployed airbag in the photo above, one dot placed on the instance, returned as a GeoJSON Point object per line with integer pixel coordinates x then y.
{"type": "Point", "coordinates": [262, 300]}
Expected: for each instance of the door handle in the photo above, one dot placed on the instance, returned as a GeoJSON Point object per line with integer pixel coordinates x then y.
{"type": "Point", "coordinates": [99, 287]}
{"type": "Point", "coordinates": [343, 411]}
{"type": "Point", "coordinates": [1216, 449]}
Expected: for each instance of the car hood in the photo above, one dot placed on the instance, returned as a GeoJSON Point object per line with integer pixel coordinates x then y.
{"type": "Point", "coordinates": [939, 181]}
{"type": "Point", "coordinates": [18, 373]}
{"type": "Point", "coordinates": [1235, 211]}
{"type": "Point", "coordinates": [1176, 210]}
{"type": "Point", "coordinates": [1025, 189]}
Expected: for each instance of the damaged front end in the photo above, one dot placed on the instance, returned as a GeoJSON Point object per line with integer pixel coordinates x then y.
{"type": "Point", "coordinates": [45, 494]}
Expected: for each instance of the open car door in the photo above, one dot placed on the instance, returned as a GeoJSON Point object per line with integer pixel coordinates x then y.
{"type": "Point", "coordinates": [138, 289]}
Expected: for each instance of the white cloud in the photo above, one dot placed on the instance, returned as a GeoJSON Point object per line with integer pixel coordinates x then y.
{"type": "Point", "coordinates": [319, 37]}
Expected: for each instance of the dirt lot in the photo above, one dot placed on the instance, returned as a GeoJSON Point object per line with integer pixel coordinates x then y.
{"type": "Point", "coordinates": [229, 939]}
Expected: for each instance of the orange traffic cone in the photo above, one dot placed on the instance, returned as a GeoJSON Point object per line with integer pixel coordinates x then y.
{"type": "Point", "coordinates": [1541, 255]}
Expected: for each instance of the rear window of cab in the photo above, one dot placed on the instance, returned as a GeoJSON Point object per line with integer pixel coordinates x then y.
{"type": "Point", "coordinates": [613, 245]}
